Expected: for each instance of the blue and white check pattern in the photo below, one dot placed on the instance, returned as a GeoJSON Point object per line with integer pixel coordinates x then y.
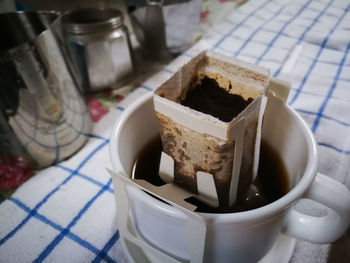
{"type": "Point", "coordinates": [66, 213]}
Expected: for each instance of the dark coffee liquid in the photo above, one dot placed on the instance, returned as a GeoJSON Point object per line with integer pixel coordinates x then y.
{"type": "Point", "coordinates": [271, 182]}
{"type": "Point", "coordinates": [209, 98]}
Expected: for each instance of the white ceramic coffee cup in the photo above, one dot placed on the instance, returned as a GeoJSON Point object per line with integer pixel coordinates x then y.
{"type": "Point", "coordinates": [244, 236]}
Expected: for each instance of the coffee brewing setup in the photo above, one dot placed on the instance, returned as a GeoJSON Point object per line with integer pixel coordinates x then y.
{"type": "Point", "coordinates": [179, 118]}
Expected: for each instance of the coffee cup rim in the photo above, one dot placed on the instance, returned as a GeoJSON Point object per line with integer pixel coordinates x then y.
{"type": "Point", "coordinates": [275, 207]}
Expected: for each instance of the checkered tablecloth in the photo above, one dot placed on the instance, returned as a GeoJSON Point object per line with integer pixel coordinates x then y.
{"type": "Point", "coordinates": [66, 213]}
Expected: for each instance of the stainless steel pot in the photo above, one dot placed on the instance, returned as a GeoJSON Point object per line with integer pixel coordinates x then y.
{"type": "Point", "coordinates": [43, 117]}
{"type": "Point", "coordinates": [100, 45]}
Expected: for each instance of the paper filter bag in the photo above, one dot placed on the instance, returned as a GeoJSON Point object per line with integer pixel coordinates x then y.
{"type": "Point", "coordinates": [199, 142]}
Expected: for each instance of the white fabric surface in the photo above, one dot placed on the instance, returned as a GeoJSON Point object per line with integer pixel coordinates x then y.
{"type": "Point", "coordinates": [66, 213]}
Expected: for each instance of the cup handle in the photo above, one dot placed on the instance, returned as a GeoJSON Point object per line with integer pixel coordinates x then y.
{"type": "Point", "coordinates": [326, 228]}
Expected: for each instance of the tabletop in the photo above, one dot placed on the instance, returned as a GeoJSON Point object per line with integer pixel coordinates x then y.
{"type": "Point", "coordinates": [66, 213]}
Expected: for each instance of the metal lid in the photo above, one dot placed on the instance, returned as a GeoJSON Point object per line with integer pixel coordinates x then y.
{"type": "Point", "coordinates": [91, 20]}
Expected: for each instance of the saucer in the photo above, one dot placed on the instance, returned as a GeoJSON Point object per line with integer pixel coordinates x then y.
{"type": "Point", "coordinates": [281, 252]}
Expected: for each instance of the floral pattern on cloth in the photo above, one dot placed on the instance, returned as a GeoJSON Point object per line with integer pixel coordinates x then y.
{"type": "Point", "coordinates": [14, 170]}
{"type": "Point", "coordinates": [100, 103]}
